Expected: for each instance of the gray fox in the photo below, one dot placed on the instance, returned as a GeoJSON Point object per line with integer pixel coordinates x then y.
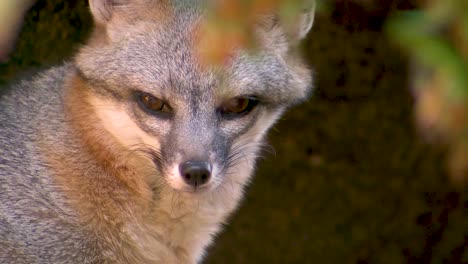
{"type": "Point", "coordinates": [132, 152]}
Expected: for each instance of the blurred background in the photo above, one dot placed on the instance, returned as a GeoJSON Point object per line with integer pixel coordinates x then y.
{"type": "Point", "coordinates": [372, 169]}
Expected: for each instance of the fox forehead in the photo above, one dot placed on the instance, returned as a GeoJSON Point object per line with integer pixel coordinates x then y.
{"type": "Point", "coordinates": [159, 57]}
{"type": "Point", "coordinates": [165, 64]}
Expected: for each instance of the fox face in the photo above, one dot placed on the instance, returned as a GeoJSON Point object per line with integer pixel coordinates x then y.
{"type": "Point", "coordinates": [198, 127]}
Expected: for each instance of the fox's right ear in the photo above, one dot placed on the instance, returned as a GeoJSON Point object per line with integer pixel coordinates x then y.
{"type": "Point", "coordinates": [282, 36]}
{"type": "Point", "coordinates": [103, 10]}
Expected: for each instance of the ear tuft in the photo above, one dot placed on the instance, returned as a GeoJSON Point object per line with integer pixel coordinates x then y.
{"type": "Point", "coordinates": [102, 9]}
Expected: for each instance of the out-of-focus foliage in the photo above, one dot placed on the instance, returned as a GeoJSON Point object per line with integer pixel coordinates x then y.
{"type": "Point", "coordinates": [437, 39]}
{"type": "Point", "coordinates": [231, 24]}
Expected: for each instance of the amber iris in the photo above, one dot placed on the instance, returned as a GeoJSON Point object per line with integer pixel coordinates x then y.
{"type": "Point", "coordinates": [152, 103]}
{"type": "Point", "coordinates": [238, 105]}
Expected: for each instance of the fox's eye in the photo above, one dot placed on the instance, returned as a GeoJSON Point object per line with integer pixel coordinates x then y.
{"type": "Point", "coordinates": [151, 103]}
{"type": "Point", "coordinates": [238, 106]}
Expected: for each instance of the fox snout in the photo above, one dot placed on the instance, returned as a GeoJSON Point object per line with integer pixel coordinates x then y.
{"type": "Point", "coordinates": [195, 173]}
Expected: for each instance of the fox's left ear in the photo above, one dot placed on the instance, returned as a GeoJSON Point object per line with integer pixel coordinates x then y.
{"type": "Point", "coordinates": [280, 35]}
{"type": "Point", "coordinates": [306, 20]}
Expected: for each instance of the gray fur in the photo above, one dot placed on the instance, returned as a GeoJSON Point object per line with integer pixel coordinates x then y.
{"type": "Point", "coordinates": [37, 223]}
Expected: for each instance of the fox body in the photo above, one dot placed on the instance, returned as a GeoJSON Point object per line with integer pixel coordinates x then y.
{"type": "Point", "coordinates": [133, 152]}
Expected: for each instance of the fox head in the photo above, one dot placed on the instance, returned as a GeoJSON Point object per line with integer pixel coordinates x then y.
{"type": "Point", "coordinates": [200, 127]}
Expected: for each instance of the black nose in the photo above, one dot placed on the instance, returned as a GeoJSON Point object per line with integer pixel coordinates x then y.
{"type": "Point", "coordinates": [195, 173]}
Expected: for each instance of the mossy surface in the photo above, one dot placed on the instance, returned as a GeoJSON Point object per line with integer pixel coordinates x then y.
{"type": "Point", "coordinates": [351, 181]}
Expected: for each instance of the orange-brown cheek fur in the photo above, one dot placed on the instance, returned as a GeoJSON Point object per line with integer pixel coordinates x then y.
{"type": "Point", "coordinates": [99, 186]}
{"type": "Point", "coordinates": [109, 155]}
